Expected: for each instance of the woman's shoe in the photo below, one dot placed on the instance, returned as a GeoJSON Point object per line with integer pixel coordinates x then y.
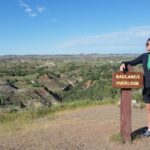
{"type": "Point", "coordinates": [146, 133]}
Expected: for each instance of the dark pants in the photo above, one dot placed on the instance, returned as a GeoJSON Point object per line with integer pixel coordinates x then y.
{"type": "Point", "coordinates": [146, 94]}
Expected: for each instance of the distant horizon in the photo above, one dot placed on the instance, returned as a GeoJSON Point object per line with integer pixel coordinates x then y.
{"type": "Point", "coordinates": [71, 54]}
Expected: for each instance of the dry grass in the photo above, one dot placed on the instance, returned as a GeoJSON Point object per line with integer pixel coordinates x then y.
{"type": "Point", "coordinates": [14, 121]}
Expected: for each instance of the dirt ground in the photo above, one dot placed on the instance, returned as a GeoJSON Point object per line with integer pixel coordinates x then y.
{"type": "Point", "coordinates": [87, 128]}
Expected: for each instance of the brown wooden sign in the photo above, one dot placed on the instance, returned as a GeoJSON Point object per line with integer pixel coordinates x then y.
{"type": "Point", "coordinates": [127, 80]}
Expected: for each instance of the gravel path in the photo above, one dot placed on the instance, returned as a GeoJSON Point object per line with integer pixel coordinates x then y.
{"type": "Point", "coordinates": [88, 128]}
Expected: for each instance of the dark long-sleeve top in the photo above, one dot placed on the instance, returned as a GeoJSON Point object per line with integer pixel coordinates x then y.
{"type": "Point", "coordinates": [142, 59]}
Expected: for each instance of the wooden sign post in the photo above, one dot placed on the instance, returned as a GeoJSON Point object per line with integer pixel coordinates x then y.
{"type": "Point", "coordinates": [126, 81]}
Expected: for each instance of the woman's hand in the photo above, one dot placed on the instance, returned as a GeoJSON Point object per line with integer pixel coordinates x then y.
{"type": "Point", "coordinates": [122, 67]}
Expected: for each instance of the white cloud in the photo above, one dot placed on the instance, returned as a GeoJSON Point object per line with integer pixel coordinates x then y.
{"type": "Point", "coordinates": [40, 9]}
{"type": "Point", "coordinates": [29, 10]}
{"type": "Point", "coordinates": [32, 14]}
{"type": "Point", "coordinates": [131, 39]}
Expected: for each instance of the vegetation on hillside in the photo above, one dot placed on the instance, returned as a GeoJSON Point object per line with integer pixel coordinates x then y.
{"type": "Point", "coordinates": [46, 81]}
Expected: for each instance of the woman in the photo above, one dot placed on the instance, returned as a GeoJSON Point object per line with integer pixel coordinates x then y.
{"type": "Point", "coordinates": [145, 60]}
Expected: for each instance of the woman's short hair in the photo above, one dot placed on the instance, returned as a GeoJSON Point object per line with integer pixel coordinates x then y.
{"type": "Point", "coordinates": [147, 42]}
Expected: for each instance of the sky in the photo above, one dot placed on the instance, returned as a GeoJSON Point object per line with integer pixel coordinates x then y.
{"type": "Point", "coordinates": [44, 27]}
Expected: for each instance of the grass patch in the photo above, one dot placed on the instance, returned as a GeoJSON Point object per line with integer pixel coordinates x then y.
{"type": "Point", "coordinates": [117, 137]}
{"type": "Point", "coordinates": [12, 121]}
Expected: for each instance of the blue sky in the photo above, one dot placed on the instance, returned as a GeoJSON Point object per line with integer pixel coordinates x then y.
{"type": "Point", "coordinates": [73, 26]}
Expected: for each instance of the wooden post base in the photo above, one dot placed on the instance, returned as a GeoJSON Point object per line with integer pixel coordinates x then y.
{"type": "Point", "coordinates": [125, 115]}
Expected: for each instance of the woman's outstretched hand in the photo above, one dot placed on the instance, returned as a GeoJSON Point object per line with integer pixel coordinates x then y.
{"type": "Point", "coordinates": [122, 67]}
